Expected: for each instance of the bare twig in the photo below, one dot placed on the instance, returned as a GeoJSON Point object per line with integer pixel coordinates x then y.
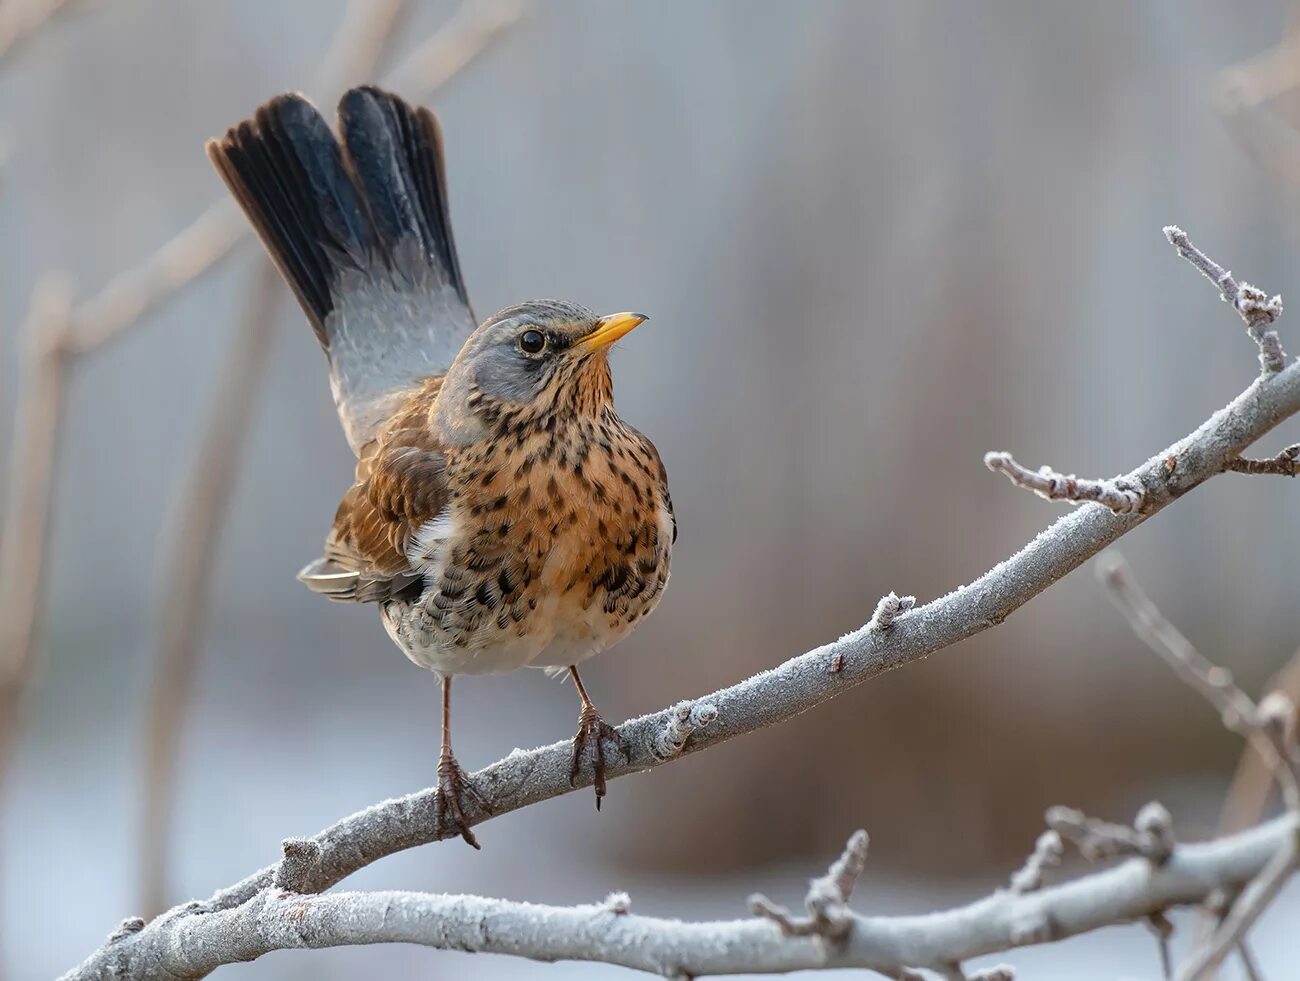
{"type": "Point", "coordinates": [199, 508]}
{"type": "Point", "coordinates": [192, 943]}
{"type": "Point", "coordinates": [1257, 309]}
{"type": "Point", "coordinates": [525, 778]}
{"type": "Point", "coordinates": [1249, 969]}
{"type": "Point", "coordinates": [1117, 494]}
{"type": "Point", "coordinates": [1163, 928]}
{"type": "Point", "coordinates": [827, 901]}
{"type": "Point", "coordinates": [1286, 463]}
{"type": "Point", "coordinates": [1151, 836]}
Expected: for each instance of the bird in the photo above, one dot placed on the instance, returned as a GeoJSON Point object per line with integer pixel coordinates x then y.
{"type": "Point", "coordinates": [502, 514]}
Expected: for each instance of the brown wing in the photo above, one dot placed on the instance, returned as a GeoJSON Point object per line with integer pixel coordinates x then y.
{"type": "Point", "coordinates": [401, 484]}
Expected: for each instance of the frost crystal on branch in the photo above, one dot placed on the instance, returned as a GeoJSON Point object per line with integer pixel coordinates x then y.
{"type": "Point", "coordinates": [889, 608]}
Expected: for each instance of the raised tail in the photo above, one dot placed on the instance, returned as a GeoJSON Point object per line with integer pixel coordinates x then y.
{"type": "Point", "coordinates": [360, 229]}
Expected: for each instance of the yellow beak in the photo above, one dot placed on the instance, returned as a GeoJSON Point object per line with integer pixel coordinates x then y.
{"type": "Point", "coordinates": [609, 329]}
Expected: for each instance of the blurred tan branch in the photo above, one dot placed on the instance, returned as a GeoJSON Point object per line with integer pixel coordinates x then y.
{"type": "Point", "coordinates": [198, 511]}
{"type": "Point", "coordinates": [30, 484]}
{"type": "Point", "coordinates": [21, 19]}
{"type": "Point", "coordinates": [242, 920]}
{"type": "Point", "coordinates": [1249, 97]}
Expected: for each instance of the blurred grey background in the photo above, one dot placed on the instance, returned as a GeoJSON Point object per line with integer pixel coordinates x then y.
{"type": "Point", "coordinates": [877, 240]}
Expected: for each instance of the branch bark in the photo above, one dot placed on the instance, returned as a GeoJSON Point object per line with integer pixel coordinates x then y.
{"type": "Point", "coordinates": [801, 683]}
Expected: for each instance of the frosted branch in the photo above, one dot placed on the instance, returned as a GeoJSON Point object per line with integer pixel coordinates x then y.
{"type": "Point", "coordinates": [1256, 308]}
{"type": "Point", "coordinates": [191, 943]}
{"type": "Point", "coordinates": [1118, 494]}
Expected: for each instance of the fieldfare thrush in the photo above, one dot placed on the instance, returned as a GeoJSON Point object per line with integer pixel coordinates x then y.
{"type": "Point", "coordinates": [502, 514]}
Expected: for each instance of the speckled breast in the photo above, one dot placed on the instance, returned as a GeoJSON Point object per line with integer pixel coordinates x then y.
{"type": "Point", "coordinates": [555, 544]}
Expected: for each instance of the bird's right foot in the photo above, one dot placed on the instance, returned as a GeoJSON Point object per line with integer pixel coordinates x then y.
{"type": "Point", "coordinates": [454, 792]}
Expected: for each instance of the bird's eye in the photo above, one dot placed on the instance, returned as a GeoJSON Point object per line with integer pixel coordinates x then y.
{"type": "Point", "coordinates": [532, 341]}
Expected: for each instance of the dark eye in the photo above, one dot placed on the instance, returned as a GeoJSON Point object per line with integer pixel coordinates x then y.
{"type": "Point", "coordinates": [532, 341]}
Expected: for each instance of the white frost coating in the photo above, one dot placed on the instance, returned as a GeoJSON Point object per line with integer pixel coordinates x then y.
{"type": "Point", "coordinates": [191, 946]}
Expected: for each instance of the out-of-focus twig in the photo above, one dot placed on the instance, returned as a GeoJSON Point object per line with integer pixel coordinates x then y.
{"type": "Point", "coordinates": [135, 293]}
{"type": "Point", "coordinates": [20, 19]}
{"type": "Point", "coordinates": [1270, 729]}
{"type": "Point", "coordinates": [30, 479]}
{"type": "Point", "coordinates": [198, 510]}
{"type": "Point", "coordinates": [187, 559]}
{"type": "Point", "coordinates": [1253, 783]}
{"type": "Point", "coordinates": [467, 32]}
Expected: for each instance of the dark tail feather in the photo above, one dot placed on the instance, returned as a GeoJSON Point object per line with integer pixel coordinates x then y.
{"type": "Point", "coordinates": [396, 154]}
{"type": "Point", "coordinates": [321, 208]}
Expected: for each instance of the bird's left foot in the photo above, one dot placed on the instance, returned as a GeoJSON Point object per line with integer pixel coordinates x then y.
{"type": "Point", "coordinates": [454, 791]}
{"type": "Point", "coordinates": [590, 741]}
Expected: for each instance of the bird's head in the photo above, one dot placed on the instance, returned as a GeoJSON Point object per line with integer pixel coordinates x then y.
{"type": "Point", "coordinates": [530, 362]}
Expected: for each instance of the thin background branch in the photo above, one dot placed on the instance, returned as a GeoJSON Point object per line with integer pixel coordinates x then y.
{"type": "Point", "coordinates": [1258, 724]}
{"type": "Point", "coordinates": [21, 19]}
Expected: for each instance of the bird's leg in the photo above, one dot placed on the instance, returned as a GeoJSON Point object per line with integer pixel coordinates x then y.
{"type": "Point", "coordinates": [454, 788]}
{"type": "Point", "coordinates": [592, 732]}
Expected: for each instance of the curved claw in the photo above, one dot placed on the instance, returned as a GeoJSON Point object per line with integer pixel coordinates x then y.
{"type": "Point", "coordinates": [454, 790]}
{"type": "Point", "coordinates": [590, 741]}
